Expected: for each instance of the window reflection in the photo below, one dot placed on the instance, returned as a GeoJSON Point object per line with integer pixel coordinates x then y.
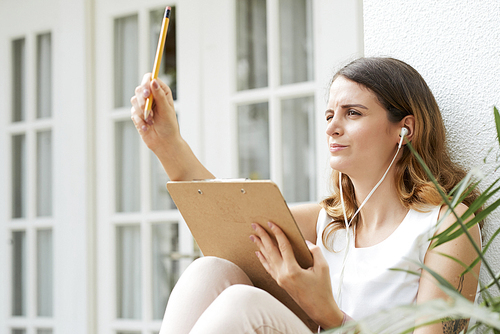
{"type": "Point", "coordinates": [160, 198]}
{"type": "Point", "coordinates": [296, 41]}
{"type": "Point", "coordinates": [44, 273]}
{"type": "Point", "coordinates": [251, 39]}
{"type": "Point", "coordinates": [19, 279]}
{"type": "Point", "coordinates": [253, 141]}
{"type": "Point", "coordinates": [166, 270]}
{"type": "Point", "coordinates": [19, 176]}
{"type": "Point", "coordinates": [298, 149]}
{"type": "Point", "coordinates": [126, 59]}
{"type": "Point", "coordinates": [128, 272]}
{"type": "Point", "coordinates": [127, 167]}
{"type": "Point", "coordinates": [18, 80]}
{"type": "Point", "coordinates": [44, 76]}
{"type": "Point", "coordinates": [44, 173]}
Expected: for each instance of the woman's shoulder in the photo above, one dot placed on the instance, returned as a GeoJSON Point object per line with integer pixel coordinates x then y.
{"type": "Point", "coordinates": [306, 216]}
{"type": "Point", "coordinates": [448, 218]}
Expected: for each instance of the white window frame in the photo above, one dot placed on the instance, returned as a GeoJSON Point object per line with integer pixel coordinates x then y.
{"type": "Point", "coordinates": [107, 115]}
{"type": "Point", "coordinates": [220, 101]}
{"type": "Point", "coordinates": [30, 223]}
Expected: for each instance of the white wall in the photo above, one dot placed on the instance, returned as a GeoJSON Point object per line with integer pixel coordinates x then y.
{"type": "Point", "coordinates": [455, 47]}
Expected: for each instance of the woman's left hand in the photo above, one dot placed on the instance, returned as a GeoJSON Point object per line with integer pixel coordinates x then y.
{"type": "Point", "coordinates": [311, 288]}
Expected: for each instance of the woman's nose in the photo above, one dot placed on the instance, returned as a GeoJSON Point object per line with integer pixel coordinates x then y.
{"type": "Point", "coordinates": [334, 128]}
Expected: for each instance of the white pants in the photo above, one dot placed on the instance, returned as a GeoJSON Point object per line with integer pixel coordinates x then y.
{"type": "Point", "coordinates": [215, 296]}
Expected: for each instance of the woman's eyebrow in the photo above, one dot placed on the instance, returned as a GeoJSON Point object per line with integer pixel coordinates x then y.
{"type": "Point", "coordinates": [346, 106]}
{"type": "Point", "coordinates": [354, 105]}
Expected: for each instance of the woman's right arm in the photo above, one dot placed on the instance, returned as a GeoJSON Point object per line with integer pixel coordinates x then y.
{"type": "Point", "coordinates": [160, 132]}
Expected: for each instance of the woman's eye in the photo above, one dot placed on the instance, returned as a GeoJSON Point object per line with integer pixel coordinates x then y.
{"type": "Point", "coordinates": [352, 112]}
{"type": "Point", "coordinates": [328, 118]}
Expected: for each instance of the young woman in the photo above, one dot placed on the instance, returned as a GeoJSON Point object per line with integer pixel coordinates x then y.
{"type": "Point", "coordinates": [380, 193]}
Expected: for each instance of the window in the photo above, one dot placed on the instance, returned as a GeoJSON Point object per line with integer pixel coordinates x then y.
{"type": "Point", "coordinates": [31, 217]}
{"type": "Point", "coordinates": [275, 95]}
{"type": "Point", "coordinates": [151, 245]}
{"type": "Point", "coordinates": [251, 46]}
{"type": "Point", "coordinates": [126, 55]}
{"type": "Point", "coordinates": [18, 80]}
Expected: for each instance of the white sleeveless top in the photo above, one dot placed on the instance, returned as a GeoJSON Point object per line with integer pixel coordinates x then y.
{"type": "Point", "coordinates": [369, 286]}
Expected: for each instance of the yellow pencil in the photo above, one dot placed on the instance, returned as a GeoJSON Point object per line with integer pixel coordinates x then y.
{"type": "Point", "coordinates": [159, 53]}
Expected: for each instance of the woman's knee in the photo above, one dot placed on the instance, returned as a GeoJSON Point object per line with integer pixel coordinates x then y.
{"type": "Point", "coordinates": [214, 268]}
{"type": "Point", "coordinates": [243, 298]}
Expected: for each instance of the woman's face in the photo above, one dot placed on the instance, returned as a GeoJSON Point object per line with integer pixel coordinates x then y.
{"type": "Point", "coordinates": [361, 139]}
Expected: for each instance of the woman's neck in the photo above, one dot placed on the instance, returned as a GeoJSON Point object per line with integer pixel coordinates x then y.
{"type": "Point", "coordinates": [383, 207]}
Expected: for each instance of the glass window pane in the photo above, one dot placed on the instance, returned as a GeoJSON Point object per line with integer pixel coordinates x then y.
{"type": "Point", "coordinates": [168, 68]}
{"type": "Point", "coordinates": [128, 272]}
{"type": "Point", "coordinates": [44, 173]}
{"type": "Point", "coordinates": [18, 331]}
{"type": "Point", "coordinates": [160, 198]}
{"type": "Point", "coordinates": [298, 149]}
{"type": "Point", "coordinates": [44, 76]}
{"type": "Point", "coordinates": [253, 141]}
{"type": "Point", "coordinates": [127, 167]}
{"type": "Point", "coordinates": [251, 39]}
{"type": "Point", "coordinates": [296, 41]}
{"type": "Point", "coordinates": [44, 331]}
{"type": "Point", "coordinates": [18, 80]}
{"type": "Point", "coordinates": [44, 268]}
{"type": "Point", "coordinates": [19, 176]}
{"type": "Point", "coordinates": [19, 279]}
{"type": "Point", "coordinates": [126, 59]}
{"type": "Point", "coordinates": [166, 269]}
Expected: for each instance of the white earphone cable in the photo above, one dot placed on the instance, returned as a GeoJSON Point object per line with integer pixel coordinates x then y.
{"type": "Point", "coordinates": [348, 223]}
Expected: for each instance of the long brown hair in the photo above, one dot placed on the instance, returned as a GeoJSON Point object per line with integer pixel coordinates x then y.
{"type": "Point", "coordinates": [402, 91]}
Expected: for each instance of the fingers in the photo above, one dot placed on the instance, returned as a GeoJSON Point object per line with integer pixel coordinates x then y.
{"type": "Point", "coordinates": [162, 93]}
{"type": "Point", "coordinates": [139, 123]}
{"type": "Point", "coordinates": [262, 239]}
{"type": "Point", "coordinates": [275, 251]}
{"type": "Point", "coordinates": [143, 91]}
{"type": "Point", "coordinates": [138, 101]}
{"type": "Point", "coordinates": [283, 243]}
{"type": "Point", "coordinates": [319, 261]}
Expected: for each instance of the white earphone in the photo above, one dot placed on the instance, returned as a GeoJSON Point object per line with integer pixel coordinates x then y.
{"type": "Point", "coordinates": [403, 133]}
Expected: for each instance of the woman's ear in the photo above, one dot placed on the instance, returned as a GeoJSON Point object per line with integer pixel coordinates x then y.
{"type": "Point", "coordinates": [409, 123]}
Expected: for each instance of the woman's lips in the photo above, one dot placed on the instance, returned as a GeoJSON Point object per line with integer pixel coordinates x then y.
{"type": "Point", "coordinates": [337, 147]}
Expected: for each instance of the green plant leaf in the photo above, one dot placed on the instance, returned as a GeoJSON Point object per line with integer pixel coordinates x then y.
{"type": "Point", "coordinates": [404, 319]}
{"type": "Point", "coordinates": [447, 202]}
{"type": "Point", "coordinates": [497, 123]}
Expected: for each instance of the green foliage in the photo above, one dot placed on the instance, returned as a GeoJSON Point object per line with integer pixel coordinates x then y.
{"type": "Point", "coordinates": [405, 319]}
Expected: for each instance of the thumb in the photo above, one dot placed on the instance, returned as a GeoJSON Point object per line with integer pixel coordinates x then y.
{"type": "Point", "coordinates": [318, 257]}
{"type": "Point", "coordinates": [161, 93]}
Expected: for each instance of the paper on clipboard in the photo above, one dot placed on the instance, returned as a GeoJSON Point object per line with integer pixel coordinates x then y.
{"type": "Point", "coordinates": [219, 214]}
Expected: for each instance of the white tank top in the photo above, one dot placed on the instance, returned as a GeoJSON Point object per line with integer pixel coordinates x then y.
{"type": "Point", "coordinates": [369, 286]}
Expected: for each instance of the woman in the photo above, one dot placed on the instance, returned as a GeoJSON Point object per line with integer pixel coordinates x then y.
{"type": "Point", "coordinates": [372, 102]}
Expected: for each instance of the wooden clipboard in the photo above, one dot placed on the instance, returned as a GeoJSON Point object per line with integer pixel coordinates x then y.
{"type": "Point", "coordinates": [219, 214]}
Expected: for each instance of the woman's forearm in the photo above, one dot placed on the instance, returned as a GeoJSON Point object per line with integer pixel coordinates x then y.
{"type": "Point", "coordinates": [180, 162]}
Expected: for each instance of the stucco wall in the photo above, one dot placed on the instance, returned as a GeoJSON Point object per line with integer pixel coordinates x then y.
{"type": "Point", "coordinates": [455, 45]}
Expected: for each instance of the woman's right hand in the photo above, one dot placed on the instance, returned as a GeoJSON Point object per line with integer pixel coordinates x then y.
{"type": "Point", "coordinates": [161, 128]}
{"type": "Point", "coordinates": [160, 132]}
